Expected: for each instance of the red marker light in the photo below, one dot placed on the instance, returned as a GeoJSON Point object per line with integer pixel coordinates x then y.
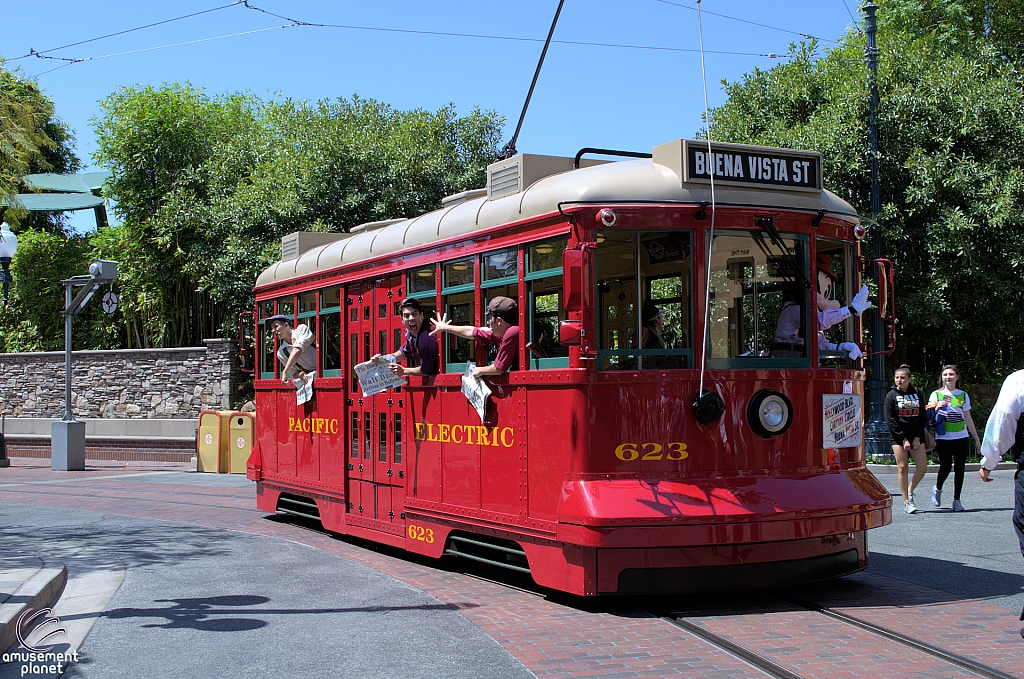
{"type": "Point", "coordinates": [607, 217]}
{"type": "Point", "coordinates": [859, 232]}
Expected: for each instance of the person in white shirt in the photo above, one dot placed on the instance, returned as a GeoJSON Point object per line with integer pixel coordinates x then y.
{"type": "Point", "coordinates": [296, 347]}
{"type": "Point", "coordinates": [950, 410]}
{"type": "Point", "coordinates": [1005, 431]}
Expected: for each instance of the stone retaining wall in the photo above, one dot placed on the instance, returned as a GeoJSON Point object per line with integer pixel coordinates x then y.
{"type": "Point", "coordinates": [128, 383]}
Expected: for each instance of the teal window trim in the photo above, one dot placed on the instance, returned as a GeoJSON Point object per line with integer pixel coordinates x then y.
{"type": "Point", "coordinates": [543, 363]}
{"type": "Point", "coordinates": [454, 367]}
{"type": "Point", "coordinates": [455, 290]}
{"type": "Point", "coordinates": [332, 312]}
{"type": "Point", "coordinates": [261, 333]}
{"type": "Point", "coordinates": [507, 280]}
{"type": "Point", "coordinates": [429, 294]}
{"type": "Point", "coordinates": [546, 273]}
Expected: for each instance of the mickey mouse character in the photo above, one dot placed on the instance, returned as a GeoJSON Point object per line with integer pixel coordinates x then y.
{"type": "Point", "coordinates": [787, 341]}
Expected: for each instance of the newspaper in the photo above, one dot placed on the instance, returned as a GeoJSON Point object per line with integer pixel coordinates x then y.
{"type": "Point", "coordinates": [374, 376]}
{"type": "Point", "coordinates": [303, 388]}
{"type": "Point", "coordinates": [476, 391]}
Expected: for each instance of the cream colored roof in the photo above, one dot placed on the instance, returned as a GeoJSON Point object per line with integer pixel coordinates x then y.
{"type": "Point", "coordinates": [624, 181]}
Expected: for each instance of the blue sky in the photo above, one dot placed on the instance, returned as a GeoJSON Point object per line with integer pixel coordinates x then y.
{"type": "Point", "coordinates": [587, 95]}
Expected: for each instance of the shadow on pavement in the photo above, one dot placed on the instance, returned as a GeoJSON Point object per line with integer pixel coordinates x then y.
{"type": "Point", "coordinates": [215, 614]}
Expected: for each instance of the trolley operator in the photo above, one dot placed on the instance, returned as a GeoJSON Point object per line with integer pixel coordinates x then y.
{"type": "Point", "coordinates": [1005, 431]}
{"type": "Point", "coordinates": [420, 347]}
{"type": "Point", "coordinates": [296, 347]}
{"type": "Point", "coordinates": [502, 329]}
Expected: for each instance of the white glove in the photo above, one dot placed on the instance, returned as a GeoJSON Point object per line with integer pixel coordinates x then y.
{"type": "Point", "coordinates": [851, 349]}
{"type": "Point", "coordinates": [860, 302]}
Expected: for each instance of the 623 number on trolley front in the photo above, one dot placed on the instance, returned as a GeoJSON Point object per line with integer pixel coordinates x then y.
{"type": "Point", "coordinates": [628, 452]}
{"type": "Point", "coordinates": [420, 533]}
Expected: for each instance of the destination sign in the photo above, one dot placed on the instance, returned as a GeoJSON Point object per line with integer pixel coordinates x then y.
{"type": "Point", "coordinates": [740, 165]}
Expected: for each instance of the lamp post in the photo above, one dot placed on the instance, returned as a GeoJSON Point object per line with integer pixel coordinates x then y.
{"type": "Point", "coordinates": [8, 246]}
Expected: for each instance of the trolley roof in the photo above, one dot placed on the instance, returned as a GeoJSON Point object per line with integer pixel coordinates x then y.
{"type": "Point", "coordinates": [528, 186]}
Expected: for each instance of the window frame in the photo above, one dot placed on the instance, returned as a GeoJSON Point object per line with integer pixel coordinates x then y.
{"type": "Point", "coordinates": [762, 362]}
{"type": "Point", "coordinates": [325, 312]}
{"type": "Point", "coordinates": [687, 354]}
{"type": "Point", "coordinates": [529, 277]}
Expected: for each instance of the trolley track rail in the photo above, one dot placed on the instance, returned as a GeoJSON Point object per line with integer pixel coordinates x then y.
{"type": "Point", "coordinates": [773, 669]}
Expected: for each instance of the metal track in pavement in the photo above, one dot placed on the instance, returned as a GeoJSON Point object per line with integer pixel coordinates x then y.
{"type": "Point", "coordinates": [776, 671]}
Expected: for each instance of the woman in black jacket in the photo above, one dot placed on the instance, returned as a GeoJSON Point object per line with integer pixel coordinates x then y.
{"type": "Point", "coordinates": [905, 416]}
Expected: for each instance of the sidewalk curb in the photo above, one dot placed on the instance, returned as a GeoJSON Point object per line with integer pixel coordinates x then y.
{"type": "Point", "coordinates": [39, 591]}
{"type": "Point", "coordinates": [934, 468]}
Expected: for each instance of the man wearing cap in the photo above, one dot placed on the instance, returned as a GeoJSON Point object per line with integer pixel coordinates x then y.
{"type": "Point", "coordinates": [296, 347]}
{"type": "Point", "coordinates": [502, 329]}
{"type": "Point", "coordinates": [420, 347]}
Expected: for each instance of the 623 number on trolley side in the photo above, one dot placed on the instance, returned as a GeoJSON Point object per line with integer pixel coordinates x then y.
{"type": "Point", "coordinates": [628, 452]}
{"type": "Point", "coordinates": [420, 533]}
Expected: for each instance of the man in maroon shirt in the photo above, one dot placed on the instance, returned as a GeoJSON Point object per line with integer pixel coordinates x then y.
{"type": "Point", "coordinates": [502, 329]}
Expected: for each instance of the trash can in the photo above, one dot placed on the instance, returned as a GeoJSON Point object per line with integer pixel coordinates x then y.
{"type": "Point", "coordinates": [213, 441]}
{"type": "Point", "coordinates": [240, 437]}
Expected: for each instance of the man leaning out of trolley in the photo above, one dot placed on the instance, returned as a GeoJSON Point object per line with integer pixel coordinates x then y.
{"type": "Point", "coordinates": [296, 347]}
{"type": "Point", "coordinates": [502, 329]}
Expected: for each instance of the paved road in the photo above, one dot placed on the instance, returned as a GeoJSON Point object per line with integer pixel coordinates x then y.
{"type": "Point", "coordinates": [212, 587]}
{"type": "Point", "coordinates": [972, 554]}
{"type": "Point", "coordinates": [203, 602]}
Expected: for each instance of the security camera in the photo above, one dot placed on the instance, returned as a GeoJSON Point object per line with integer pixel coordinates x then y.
{"type": "Point", "coordinates": [103, 271]}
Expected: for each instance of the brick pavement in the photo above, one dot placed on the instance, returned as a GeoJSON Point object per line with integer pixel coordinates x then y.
{"type": "Point", "coordinates": [559, 636]}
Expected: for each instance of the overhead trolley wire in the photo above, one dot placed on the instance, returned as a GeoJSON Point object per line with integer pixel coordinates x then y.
{"type": "Point", "coordinates": [42, 53]}
{"type": "Point", "coordinates": [808, 36]}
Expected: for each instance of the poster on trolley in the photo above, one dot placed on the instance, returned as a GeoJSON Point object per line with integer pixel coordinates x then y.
{"type": "Point", "coordinates": [842, 422]}
{"type": "Point", "coordinates": [476, 391]}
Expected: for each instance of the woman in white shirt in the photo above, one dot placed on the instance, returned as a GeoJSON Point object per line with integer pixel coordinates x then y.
{"type": "Point", "coordinates": [952, 417]}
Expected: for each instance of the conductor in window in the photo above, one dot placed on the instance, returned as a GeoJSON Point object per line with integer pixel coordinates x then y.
{"type": "Point", "coordinates": [789, 344]}
{"type": "Point", "coordinates": [502, 329]}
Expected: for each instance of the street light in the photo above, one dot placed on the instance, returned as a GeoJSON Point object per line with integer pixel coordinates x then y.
{"type": "Point", "coordinates": [8, 246]}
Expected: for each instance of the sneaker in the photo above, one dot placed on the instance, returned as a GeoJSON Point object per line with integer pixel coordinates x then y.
{"type": "Point", "coordinates": [957, 507]}
{"type": "Point", "coordinates": [911, 497]}
{"type": "Point", "coordinates": [936, 497]}
{"type": "Point", "coordinates": [909, 507]}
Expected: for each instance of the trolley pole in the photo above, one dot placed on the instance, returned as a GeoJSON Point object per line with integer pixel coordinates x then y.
{"type": "Point", "coordinates": [876, 432]}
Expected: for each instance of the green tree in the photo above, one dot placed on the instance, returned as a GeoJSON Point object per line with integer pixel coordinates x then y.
{"type": "Point", "coordinates": [951, 162]}
{"type": "Point", "coordinates": [206, 186]}
{"type": "Point", "coordinates": [32, 139]}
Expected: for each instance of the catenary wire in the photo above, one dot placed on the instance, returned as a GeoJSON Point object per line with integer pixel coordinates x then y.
{"type": "Point", "coordinates": [808, 36]}
{"type": "Point", "coordinates": [34, 53]}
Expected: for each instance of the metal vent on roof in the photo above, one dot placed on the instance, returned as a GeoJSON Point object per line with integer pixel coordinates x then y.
{"type": "Point", "coordinates": [503, 180]}
{"type": "Point", "coordinates": [294, 244]}
{"type": "Point", "coordinates": [457, 198]}
{"type": "Point", "coordinates": [370, 226]}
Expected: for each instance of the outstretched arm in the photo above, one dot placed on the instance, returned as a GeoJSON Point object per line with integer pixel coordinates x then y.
{"type": "Point", "coordinates": [441, 324]}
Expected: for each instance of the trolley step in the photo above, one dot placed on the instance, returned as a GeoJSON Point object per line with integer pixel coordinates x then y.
{"type": "Point", "coordinates": [298, 506]}
{"type": "Point", "coordinates": [501, 553]}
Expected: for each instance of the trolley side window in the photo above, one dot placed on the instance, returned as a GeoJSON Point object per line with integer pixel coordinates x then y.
{"type": "Point", "coordinates": [835, 257]}
{"type": "Point", "coordinates": [307, 313]}
{"type": "Point", "coordinates": [330, 332]}
{"type": "Point", "coordinates": [500, 273]}
{"type": "Point", "coordinates": [458, 289]}
{"type": "Point", "coordinates": [759, 302]}
{"type": "Point", "coordinates": [544, 287]}
{"type": "Point", "coordinates": [644, 293]}
{"type": "Point", "coordinates": [422, 285]}
{"type": "Point", "coordinates": [267, 368]}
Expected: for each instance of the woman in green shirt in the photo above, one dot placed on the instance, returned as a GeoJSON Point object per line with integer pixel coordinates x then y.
{"type": "Point", "coordinates": [952, 408]}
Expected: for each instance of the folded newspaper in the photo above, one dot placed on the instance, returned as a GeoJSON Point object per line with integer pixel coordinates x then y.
{"type": "Point", "coordinates": [375, 377]}
{"type": "Point", "coordinates": [303, 388]}
{"type": "Point", "coordinates": [476, 391]}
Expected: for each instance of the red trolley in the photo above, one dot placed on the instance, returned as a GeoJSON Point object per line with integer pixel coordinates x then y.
{"type": "Point", "coordinates": [595, 469]}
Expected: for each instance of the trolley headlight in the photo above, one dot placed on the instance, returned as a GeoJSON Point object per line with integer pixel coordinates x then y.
{"type": "Point", "coordinates": [769, 413]}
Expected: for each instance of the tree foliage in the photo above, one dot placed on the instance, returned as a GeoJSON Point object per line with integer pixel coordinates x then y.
{"type": "Point", "coordinates": [32, 139]}
{"type": "Point", "coordinates": [206, 186]}
{"type": "Point", "coordinates": [951, 158]}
